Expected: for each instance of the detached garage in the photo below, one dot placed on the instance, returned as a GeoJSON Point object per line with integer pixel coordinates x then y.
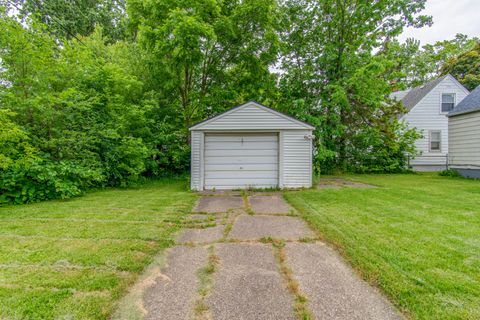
{"type": "Point", "coordinates": [251, 146]}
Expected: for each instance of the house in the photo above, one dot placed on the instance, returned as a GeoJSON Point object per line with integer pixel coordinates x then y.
{"type": "Point", "coordinates": [464, 136]}
{"type": "Point", "coordinates": [251, 146]}
{"type": "Point", "coordinates": [427, 108]}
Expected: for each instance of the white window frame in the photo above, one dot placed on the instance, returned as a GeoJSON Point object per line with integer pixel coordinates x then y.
{"type": "Point", "coordinates": [441, 101]}
{"type": "Point", "coordinates": [430, 132]}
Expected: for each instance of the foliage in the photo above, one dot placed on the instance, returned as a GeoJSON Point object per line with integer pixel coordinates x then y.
{"type": "Point", "coordinates": [449, 173]}
{"type": "Point", "coordinates": [68, 19]}
{"type": "Point", "coordinates": [415, 65]}
{"type": "Point", "coordinates": [338, 84]}
{"type": "Point", "coordinates": [207, 55]}
{"type": "Point", "coordinates": [84, 123]}
{"type": "Point", "coordinates": [465, 67]}
{"type": "Point", "coordinates": [14, 145]}
{"type": "Point", "coordinates": [42, 180]}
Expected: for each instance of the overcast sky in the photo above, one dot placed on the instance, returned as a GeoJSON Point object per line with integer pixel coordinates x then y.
{"type": "Point", "coordinates": [449, 18]}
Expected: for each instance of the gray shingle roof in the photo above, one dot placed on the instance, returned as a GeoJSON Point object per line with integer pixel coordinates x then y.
{"type": "Point", "coordinates": [416, 94]}
{"type": "Point", "coordinates": [470, 103]}
{"type": "Point", "coordinates": [399, 95]}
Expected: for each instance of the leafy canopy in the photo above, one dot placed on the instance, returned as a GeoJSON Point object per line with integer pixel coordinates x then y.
{"type": "Point", "coordinates": [465, 67]}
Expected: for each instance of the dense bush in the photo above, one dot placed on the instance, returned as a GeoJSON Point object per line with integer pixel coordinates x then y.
{"type": "Point", "coordinates": [42, 180]}
{"type": "Point", "coordinates": [449, 173]}
{"type": "Point", "coordinates": [73, 119]}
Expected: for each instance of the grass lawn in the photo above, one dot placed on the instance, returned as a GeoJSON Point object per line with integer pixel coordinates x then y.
{"type": "Point", "coordinates": [417, 237]}
{"type": "Point", "coordinates": [73, 259]}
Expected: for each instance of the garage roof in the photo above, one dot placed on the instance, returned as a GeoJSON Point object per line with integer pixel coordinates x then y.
{"type": "Point", "coordinates": [251, 116]}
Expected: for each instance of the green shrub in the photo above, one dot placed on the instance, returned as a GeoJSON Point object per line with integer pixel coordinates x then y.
{"type": "Point", "coordinates": [449, 173]}
{"type": "Point", "coordinates": [42, 180]}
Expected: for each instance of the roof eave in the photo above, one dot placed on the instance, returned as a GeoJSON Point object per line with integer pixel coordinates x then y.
{"type": "Point", "coordinates": [462, 112]}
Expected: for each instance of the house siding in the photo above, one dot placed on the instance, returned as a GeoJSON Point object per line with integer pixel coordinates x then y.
{"type": "Point", "coordinates": [426, 116]}
{"type": "Point", "coordinates": [464, 136]}
{"type": "Point", "coordinates": [297, 159]}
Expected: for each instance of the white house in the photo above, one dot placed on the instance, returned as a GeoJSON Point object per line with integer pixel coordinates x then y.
{"type": "Point", "coordinates": [251, 146]}
{"type": "Point", "coordinates": [464, 136]}
{"type": "Point", "coordinates": [428, 106]}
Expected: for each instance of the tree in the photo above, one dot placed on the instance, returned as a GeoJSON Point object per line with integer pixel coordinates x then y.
{"type": "Point", "coordinates": [327, 44]}
{"type": "Point", "coordinates": [465, 67]}
{"type": "Point", "coordinates": [416, 65]}
{"type": "Point", "coordinates": [14, 145]}
{"type": "Point", "coordinates": [86, 121]}
{"type": "Point", "coordinates": [206, 55]}
{"type": "Point", "coordinates": [68, 19]}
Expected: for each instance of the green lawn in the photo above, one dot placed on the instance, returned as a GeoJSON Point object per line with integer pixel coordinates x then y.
{"type": "Point", "coordinates": [73, 259]}
{"type": "Point", "coordinates": [417, 237]}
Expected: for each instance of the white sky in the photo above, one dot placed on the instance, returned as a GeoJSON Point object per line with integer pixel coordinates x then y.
{"type": "Point", "coordinates": [449, 18]}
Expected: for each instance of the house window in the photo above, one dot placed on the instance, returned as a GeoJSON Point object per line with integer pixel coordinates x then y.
{"type": "Point", "coordinates": [435, 141]}
{"type": "Point", "coordinates": [448, 102]}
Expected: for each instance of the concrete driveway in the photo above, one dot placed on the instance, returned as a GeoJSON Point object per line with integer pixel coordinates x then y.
{"type": "Point", "coordinates": [251, 257]}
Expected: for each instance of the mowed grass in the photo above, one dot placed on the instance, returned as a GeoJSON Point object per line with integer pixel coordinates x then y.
{"type": "Point", "coordinates": [73, 259]}
{"type": "Point", "coordinates": [417, 237]}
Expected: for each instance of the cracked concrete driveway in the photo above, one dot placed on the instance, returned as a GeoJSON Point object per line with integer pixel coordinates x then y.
{"type": "Point", "coordinates": [257, 260]}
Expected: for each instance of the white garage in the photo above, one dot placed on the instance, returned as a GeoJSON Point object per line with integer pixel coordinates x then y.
{"type": "Point", "coordinates": [251, 146]}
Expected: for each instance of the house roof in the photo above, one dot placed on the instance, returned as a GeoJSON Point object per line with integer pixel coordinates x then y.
{"type": "Point", "coordinates": [204, 123]}
{"type": "Point", "coordinates": [469, 104]}
{"type": "Point", "coordinates": [399, 95]}
{"type": "Point", "coordinates": [415, 95]}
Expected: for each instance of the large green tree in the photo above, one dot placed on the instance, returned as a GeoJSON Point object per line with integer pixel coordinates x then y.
{"type": "Point", "coordinates": [69, 19]}
{"type": "Point", "coordinates": [415, 65]}
{"type": "Point", "coordinates": [83, 113]}
{"type": "Point", "coordinates": [205, 55]}
{"type": "Point", "coordinates": [329, 47]}
{"type": "Point", "coordinates": [465, 67]}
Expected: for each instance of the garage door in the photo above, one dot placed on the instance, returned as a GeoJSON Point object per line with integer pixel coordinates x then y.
{"type": "Point", "coordinates": [234, 161]}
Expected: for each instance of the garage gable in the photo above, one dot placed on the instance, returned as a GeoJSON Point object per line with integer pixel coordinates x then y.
{"type": "Point", "coordinates": [251, 116]}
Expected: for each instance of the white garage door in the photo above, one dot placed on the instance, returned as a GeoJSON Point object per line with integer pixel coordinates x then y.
{"type": "Point", "coordinates": [234, 161]}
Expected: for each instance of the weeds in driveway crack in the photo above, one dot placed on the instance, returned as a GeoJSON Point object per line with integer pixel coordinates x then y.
{"type": "Point", "coordinates": [226, 231]}
{"type": "Point", "coordinates": [300, 306]}
{"type": "Point", "coordinates": [230, 221]}
{"type": "Point", "coordinates": [205, 277]}
{"type": "Point", "coordinates": [246, 203]}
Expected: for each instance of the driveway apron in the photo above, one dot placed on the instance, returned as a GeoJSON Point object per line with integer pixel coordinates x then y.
{"type": "Point", "coordinates": [251, 257]}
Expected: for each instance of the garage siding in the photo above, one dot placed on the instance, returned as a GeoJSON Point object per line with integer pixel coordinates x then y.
{"type": "Point", "coordinates": [297, 159]}
{"type": "Point", "coordinates": [251, 117]}
{"type": "Point", "coordinates": [280, 156]}
{"type": "Point", "coordinates": [196, 154]}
